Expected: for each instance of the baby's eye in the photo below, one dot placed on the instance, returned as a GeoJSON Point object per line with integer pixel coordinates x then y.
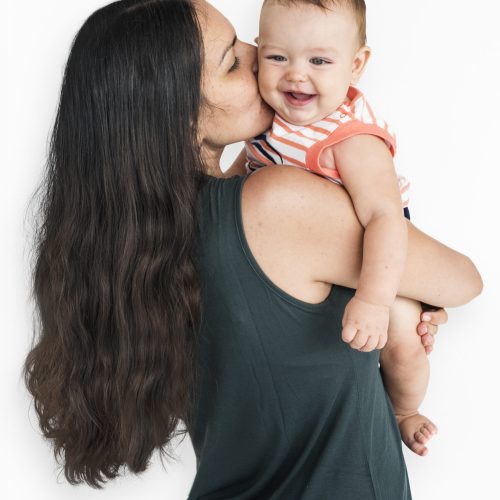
{"type": "Point", "coordinates": [318, 61]}
{"type": "Point", "coordinates": [276, 58]}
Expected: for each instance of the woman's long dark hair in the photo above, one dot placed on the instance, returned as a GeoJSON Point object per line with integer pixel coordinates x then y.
{"type": "Point", "coordinates": [117, 295]}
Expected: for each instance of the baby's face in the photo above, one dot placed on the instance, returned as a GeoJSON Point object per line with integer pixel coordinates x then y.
{"type": "Point", "coordinates": [306, 59]}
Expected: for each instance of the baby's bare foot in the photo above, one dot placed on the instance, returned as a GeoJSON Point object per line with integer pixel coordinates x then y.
{"type": "Point", "coordinates": [416, 430]}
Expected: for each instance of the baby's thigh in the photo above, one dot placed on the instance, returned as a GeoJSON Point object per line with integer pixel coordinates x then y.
{"type": "Point", "coordinates": [403, 320]}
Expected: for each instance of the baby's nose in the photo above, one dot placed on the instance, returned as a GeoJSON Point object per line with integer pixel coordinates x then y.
{"type": "Point", "coordinates": [295, 76]}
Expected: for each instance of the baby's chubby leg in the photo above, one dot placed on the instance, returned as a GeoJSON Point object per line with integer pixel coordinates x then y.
{"type": "Point", "coordinates": [405, 370]}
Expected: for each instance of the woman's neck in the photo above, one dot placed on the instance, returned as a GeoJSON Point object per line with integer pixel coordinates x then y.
{"type": "Point", "coordinates": [211, 158]}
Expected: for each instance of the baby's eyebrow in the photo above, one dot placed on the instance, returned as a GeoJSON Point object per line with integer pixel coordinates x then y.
{"type": "Point", "coordinates": [269, 46]}
{"type": "Point", "coordinates": [324, 50]}
{"type": "Point", "coordinates": [330, 50]}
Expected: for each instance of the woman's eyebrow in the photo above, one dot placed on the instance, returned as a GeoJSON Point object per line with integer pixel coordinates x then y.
{"type": "Point", "coordinates": [229, 47]}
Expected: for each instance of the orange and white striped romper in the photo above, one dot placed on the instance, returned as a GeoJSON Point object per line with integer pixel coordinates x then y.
{"type": "Point", "coordinates": [301, 145]}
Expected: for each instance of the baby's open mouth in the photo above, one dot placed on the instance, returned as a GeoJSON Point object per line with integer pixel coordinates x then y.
{"type": "Point", "coordinates": [299, 98]}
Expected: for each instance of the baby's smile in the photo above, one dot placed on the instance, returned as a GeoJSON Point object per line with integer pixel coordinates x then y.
{"type": "Point", "coordinates": [299, 99]}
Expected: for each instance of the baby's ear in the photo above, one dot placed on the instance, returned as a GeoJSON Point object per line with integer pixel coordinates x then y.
{"type": "Point", "coordinates": [256, 40]}
{"type": "Point", "coordinates": [359, 63]}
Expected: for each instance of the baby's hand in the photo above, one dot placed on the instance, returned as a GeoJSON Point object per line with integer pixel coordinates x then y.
{"type": "Point", "coordinates": [364, 325]}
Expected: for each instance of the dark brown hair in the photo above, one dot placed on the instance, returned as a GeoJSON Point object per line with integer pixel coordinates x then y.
{"type": "Point", "coordinates": [358, 7]}
{"type": "Point", "coordinates": [117, 295]}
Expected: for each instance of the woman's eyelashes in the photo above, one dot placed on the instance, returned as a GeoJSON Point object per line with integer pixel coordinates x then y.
{"type": "Point", "coordinates": [236, 64]}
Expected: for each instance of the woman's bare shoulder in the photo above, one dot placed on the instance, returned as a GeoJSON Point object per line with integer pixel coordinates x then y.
{"type": "Point", "coordinates": [283, 180]}
{"type": "Point", "coordinates": [292, 218]}
{"type": "Point", "coordinates": [292, 196]}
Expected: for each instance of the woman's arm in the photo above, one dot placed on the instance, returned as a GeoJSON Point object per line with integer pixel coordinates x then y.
{"type": "Point", "coordinates": [314, 220]}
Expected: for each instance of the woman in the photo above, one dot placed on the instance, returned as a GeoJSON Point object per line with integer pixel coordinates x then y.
{"type": "Point", "coordinates": [167, 290]}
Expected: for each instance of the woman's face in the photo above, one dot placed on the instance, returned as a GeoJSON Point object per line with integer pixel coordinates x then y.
{"type": "Point", "coordinates": [234, 111]}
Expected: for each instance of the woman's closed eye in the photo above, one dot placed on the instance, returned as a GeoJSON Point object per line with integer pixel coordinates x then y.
{"type": "Point", "coordinates": [236, 64]}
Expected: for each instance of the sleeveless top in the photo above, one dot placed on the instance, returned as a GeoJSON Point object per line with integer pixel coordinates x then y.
{"type": "Point", "coordinates": [285, 409]}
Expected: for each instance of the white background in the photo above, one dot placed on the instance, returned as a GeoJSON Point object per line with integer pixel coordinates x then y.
{"type": "Point", "coordinates": [434, 76]}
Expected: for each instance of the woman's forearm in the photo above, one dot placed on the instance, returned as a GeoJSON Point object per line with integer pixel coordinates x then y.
{"type": "Point", "coordinates": [433, 273]}
{"type": "Point", "coordinates": [436, 274]}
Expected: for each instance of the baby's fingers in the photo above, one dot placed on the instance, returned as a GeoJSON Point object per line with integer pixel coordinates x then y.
{"type": "Point", "coordinates": [360, 340]}
{"type": "Point", "coordinates": [349, 332]}
{"type": "Point", "coordinates": [372, 343]}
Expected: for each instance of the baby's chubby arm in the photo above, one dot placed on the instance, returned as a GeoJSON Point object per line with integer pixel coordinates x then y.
{"type": "Point", "coordinates": [368, 174]}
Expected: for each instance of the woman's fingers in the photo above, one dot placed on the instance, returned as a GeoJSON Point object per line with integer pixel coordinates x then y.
{"type": "Point", "coordinates": [429, 325]}
{"type": "Point", "coordinates": [427, 340]}
{"type": "Point", "coordinates": [430, 318]}
{"type": "Point", "coordinates": [438, 317]}
{"type": "Point", "coordinates": [426, 327]}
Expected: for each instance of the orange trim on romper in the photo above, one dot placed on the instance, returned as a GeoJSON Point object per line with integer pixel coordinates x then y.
{"type": "Point", "coordinates": [354, 94]}
{"type": "Point", "coordinates": [349, 129]}
{"type": "Point", "coordinates": [331, 173]}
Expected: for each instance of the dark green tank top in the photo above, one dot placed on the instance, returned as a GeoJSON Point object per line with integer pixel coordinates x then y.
{"type": "Point", "coordinates": [286, 410]}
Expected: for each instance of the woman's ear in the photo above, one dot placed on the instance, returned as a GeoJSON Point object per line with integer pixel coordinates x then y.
{"type": "Point", "coordinates": [359, 63]}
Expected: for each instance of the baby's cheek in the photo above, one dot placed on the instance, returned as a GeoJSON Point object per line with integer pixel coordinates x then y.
{"type": "Point", "coordinates": [270, 95]}
{"type": "Point", "coordinates": [266, 85]}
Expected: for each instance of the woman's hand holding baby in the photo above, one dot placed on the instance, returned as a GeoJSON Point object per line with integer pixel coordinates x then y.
{"type": "Point", "coordinates": [364, 325]}
{"type": "Point", "coordinates": [428, 327]}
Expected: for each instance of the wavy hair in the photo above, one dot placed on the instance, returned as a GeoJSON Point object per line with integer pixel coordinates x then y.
{"type": "Point", "coordinates": [112, 365]}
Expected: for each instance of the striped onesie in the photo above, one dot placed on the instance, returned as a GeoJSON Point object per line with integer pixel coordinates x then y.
{"type": "Point", "coordinates": [301, 145]}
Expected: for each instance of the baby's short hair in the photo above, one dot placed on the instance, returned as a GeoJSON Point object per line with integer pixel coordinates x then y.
{"type": "Point", "coordinates": [358, 7]}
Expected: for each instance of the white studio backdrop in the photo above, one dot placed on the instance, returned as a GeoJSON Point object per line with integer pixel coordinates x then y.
{"type": "Point", "coordinates": [434, 76]}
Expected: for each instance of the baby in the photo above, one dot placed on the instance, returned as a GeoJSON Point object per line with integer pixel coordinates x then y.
{"type": "Point", "coordinates": [311, 52]}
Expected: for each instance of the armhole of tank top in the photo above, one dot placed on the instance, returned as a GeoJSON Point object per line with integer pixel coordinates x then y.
{"type": "Point", "coordinates": [258, 270]}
